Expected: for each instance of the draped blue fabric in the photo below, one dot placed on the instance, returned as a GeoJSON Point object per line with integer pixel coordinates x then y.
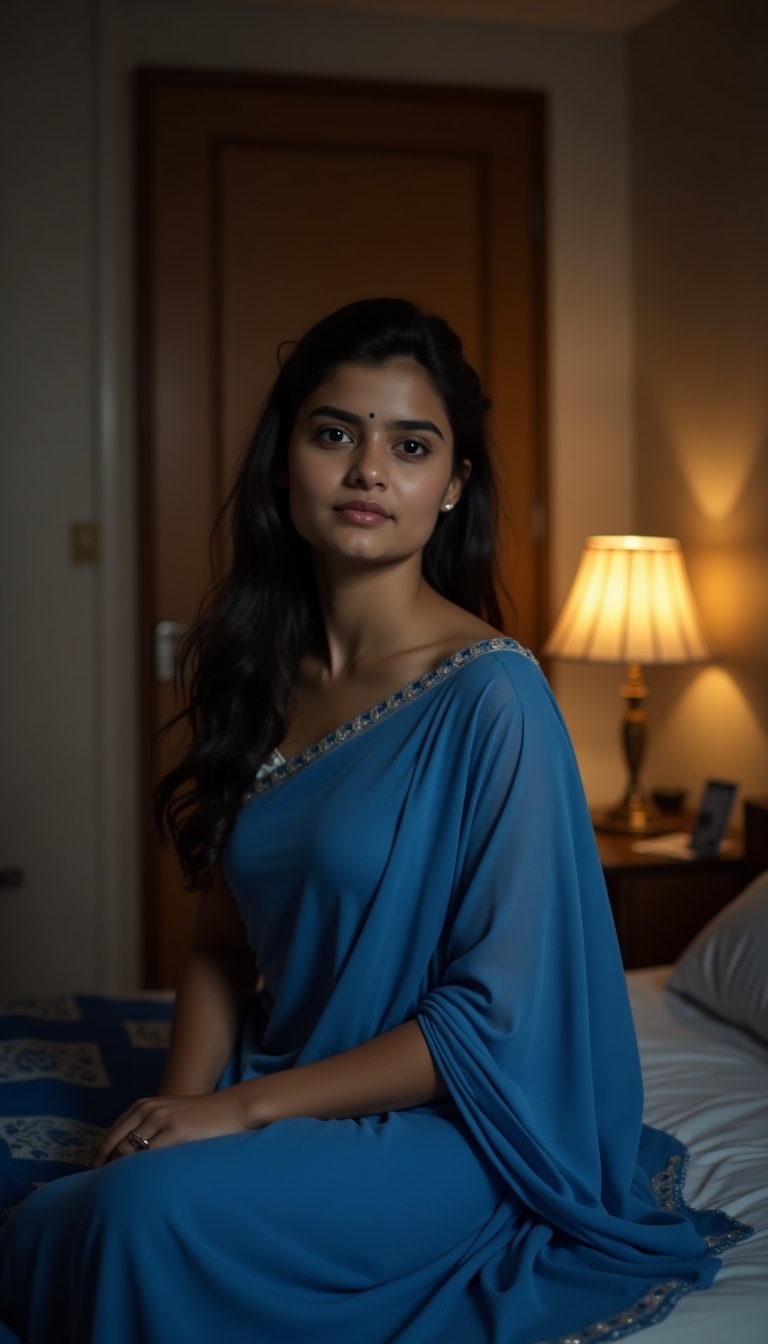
{"type": "Point", "coordinates": [433, 860]}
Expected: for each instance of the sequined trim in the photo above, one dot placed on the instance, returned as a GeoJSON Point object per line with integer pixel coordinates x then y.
{"type": "Point", "coordinates": [382, 711]}
{"type": "Point", "coordinates": [654, 1305]}
{"type": "Point", "coordinates": [668, 1186]}
{"type": "Point", "coordinates": [648, 1310]}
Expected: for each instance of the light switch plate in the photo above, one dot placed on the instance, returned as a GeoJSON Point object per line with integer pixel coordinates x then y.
{"type": "Point", "coordinates": [85, 543]}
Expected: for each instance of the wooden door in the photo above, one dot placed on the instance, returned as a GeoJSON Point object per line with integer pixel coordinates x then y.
{"type": "Point", "coordinates": [264, 204]}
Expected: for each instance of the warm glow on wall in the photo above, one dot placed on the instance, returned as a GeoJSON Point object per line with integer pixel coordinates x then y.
{"type": "Point", "coordinates": [717, 453]}
{"type": "Point", "coordinates": [717, 474]}
{"type": "Point", "coordinates": [732, 588]}
{"type": "Point", "coordinates": [716, 698]}
{"type": "Point", "coordinates": [709, 726]}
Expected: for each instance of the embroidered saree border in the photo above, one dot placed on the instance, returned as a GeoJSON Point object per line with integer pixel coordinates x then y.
{"type": "Point", "coordinates": [406, 696]}
{"type": "Point", "coordinates": [657, 1303]}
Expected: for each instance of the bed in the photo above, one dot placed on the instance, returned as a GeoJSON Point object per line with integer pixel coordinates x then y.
{"type": "Point", "coordinates": [70, 1063]}
{"type": "Point", "coordinates": [707, 1082]}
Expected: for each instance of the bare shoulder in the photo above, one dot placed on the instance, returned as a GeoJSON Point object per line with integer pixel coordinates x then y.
{"type": "Point", "coordinates": [450, 629]}
{"type": "Point", "coordinates": [453, 628]}
{"type": "Point", "coordinates": [466, 631]}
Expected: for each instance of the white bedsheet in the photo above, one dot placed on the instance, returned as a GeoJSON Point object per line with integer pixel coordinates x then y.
{"type": "Point", "coordinates": [707, 1083]}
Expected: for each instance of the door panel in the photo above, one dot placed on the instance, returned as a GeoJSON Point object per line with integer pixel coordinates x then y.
{"type": "Point", "coordinates": [343, 229]}
{"type": "Point", "coordinates": [264, 204]}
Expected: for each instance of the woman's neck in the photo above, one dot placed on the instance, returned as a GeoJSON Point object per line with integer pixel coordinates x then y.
{"type": "Point", "coordinates": [371, 614]}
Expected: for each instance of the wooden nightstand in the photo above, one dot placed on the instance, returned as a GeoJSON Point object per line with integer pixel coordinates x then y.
{"type": "Point", "coordinates": [660, 903]}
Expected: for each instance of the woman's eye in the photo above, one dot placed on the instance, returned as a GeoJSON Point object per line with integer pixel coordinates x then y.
{"type": "Point", "coordinates": [333, 434]}
{"type": "Point", "coordinates": [413, 448]}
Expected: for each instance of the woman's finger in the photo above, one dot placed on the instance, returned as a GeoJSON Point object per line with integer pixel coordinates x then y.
{"type": "Point", "coordinates": [129, 1122]}
{"type": "Point", "coordinates": [123, 1149]}
{"type": "Point", "coordinates": [160, 1122]}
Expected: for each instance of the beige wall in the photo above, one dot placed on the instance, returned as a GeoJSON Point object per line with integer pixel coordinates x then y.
{"type": "Point", "coordinates": [699, 99]}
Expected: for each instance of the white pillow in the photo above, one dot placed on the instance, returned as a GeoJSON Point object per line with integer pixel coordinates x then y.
{"type": "Point", "coordinates": [725, 968]}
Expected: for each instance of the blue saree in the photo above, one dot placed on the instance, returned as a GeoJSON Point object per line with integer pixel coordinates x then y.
{"type": "Point", "coordinates": [433, 859]}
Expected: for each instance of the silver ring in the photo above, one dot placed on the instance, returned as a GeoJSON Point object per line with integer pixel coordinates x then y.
{"type": "Point", "coordinates": [136, 1140]}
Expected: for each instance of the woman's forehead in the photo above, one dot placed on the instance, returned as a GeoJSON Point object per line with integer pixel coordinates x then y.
{"type": "Point", "coordinates": [397, 389]}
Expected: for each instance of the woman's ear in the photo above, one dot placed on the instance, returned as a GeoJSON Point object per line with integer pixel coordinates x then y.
{"type": "Point", "coordinates": [456, 486]}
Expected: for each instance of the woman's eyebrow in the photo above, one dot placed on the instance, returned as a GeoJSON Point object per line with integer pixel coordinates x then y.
{"type": "Point", "coordinates": [414, 424]}
{"type": "Point", "coordinates": [336, 413]}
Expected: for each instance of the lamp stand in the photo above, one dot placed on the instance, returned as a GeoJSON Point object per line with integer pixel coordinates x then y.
{"type": "Point", "coordinates": [635, 814]}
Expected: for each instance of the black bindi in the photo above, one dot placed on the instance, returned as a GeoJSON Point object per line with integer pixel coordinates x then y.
{"type": "Point", "coordinates": [371, 415]}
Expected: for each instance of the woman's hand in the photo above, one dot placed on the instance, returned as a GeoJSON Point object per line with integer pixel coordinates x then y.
{"type": "Point", "coordinates": [165, 1121]}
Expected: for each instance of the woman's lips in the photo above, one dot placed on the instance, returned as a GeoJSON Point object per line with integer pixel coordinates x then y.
{"type": "Point", "coordinates": [362, 511]}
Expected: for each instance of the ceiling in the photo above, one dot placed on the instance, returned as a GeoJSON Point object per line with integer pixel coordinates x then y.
{"type": "Point", "coordinates": [613, 16]}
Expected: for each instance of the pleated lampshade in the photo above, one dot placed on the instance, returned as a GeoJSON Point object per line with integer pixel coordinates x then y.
{"type": "Point", "coordinates": [630, 602]}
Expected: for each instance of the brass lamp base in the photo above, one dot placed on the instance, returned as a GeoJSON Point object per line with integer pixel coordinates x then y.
{"type": "Point", "coordinates": [635, 814]}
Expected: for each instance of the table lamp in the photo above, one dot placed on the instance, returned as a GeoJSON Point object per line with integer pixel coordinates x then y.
{"type": "Point", "coordinates": [631, 602]}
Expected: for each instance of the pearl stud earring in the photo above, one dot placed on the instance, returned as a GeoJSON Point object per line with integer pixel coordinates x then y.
{"type": "Point", "coordinates": [447, 508]}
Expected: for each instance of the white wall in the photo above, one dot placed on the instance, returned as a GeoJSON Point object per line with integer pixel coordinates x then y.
{"type": "Point", "coordinates": [68, 706]}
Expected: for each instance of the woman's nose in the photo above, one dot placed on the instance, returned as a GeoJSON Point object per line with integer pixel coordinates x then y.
{"type": "Point", "coordinates": [369, 466]}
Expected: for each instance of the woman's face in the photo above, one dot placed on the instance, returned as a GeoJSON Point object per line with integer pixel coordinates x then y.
{"type": "Point", "coordinates": [370, 463]}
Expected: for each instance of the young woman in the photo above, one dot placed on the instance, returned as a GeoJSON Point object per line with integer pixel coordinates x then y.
{"type": "Point", "coordinates": [402, 1100]}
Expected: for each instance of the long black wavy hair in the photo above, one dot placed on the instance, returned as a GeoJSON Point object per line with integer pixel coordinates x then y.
{"type": "Point", "coordinates": [240, 660]}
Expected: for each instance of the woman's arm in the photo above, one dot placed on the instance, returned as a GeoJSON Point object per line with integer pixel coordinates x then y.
{"type": "Point", "coordinates": [390, 1073]}
{"type": "Point", "coordinates": [217, 980]}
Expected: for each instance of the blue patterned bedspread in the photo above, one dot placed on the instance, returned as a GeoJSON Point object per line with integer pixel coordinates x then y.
{"type": "Point", "coordinates": [69, 1064]}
